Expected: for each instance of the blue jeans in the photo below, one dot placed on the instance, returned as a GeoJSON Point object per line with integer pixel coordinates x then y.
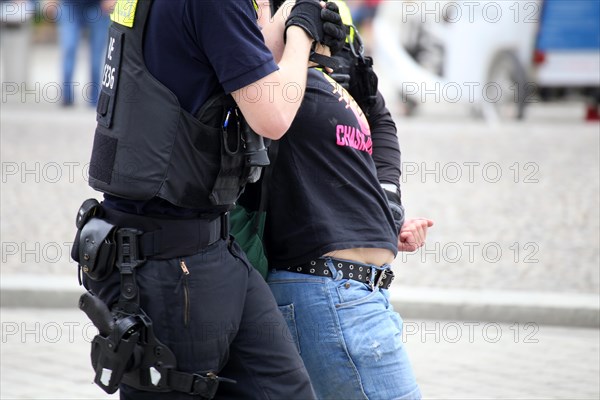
{"type": "Point", "coordinates": [73, 19]}
{"type": "Point", "coordinates": [348, 335]}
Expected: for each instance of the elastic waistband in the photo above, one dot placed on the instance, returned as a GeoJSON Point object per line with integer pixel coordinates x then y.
{"type": "Point", "coordinates": [169, 238]}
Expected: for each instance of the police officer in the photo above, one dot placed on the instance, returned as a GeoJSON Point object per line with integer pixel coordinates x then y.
{"type": "Point", "coordinates": [184, 86]}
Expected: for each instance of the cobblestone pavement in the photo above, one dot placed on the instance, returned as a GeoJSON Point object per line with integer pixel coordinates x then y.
{"type": "Point", "coordinates": [45, 355]}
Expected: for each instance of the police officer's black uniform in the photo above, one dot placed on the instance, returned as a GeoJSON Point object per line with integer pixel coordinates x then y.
{"type": "Point", "coordinates": [171, 168]}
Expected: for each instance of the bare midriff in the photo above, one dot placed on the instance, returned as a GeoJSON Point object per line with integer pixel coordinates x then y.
{"type": "Point", "coordinates": [364, 255]}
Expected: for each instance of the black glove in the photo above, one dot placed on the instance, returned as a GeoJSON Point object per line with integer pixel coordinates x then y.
{"type": "Point", "coordinates": [307, 15]}
{"type": "Point", "coordinates": [334, 29]}
{"type": "Point", "coordinates": [396, 207]}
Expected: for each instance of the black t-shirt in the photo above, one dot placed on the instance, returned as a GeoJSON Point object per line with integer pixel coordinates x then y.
{"type": "Point", "coordinates": [196, 48]}
{"type": "Point", "coordinates": [324, 194]}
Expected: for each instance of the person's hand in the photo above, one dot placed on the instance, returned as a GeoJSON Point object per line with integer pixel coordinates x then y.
{"type": "Point", "coordinates": [334, 30]}
{"type": "Point", "coordinates": [413, 234]}
{"type": "Point", "coordinates": [306, 14]}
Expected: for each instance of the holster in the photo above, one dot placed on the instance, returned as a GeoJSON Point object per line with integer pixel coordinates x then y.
{"type": "Point", "coordinates": [127, 351]}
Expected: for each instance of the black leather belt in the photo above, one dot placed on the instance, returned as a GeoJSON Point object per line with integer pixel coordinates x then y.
{"type": "Point", "coordinates": [168, 238]}
{"type": "Point", "coordinates": [381, 278]}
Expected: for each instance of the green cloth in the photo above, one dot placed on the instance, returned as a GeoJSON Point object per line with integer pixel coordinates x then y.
{"type": "Point", "coordinates": [248, 227]}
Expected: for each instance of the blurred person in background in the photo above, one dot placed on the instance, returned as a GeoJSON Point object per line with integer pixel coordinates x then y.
{"type": "Point", "coordinates": [74, 17]}
{"type": "Point", "coordinates": [15, 40]}
{"type": "Point", "coordinates": [363, 12]}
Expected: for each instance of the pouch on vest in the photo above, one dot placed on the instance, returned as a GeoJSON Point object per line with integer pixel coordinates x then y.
{"type": "Point", "coordinates": [232, 175]}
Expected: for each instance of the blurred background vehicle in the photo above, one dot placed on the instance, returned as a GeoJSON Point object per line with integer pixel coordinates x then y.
{"type": "Point", "coordinates": [497, 57]}
{"type": "Point", "coordinates": [566, 60]}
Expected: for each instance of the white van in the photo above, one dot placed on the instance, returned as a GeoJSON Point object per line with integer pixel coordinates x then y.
{"type": "Point", "coordinates": [481, 53]}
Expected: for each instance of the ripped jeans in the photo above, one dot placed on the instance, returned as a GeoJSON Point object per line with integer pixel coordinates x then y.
{"type": "Point", "coordinates": [348, 335]}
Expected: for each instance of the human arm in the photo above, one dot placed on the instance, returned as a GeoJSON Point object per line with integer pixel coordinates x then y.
{"type": "Point", "coordinates": [386, 148]}
{"type": "Point", "coordinates": [387, 157]}
{"type": "Point", "coordinates": [271, 112]}
{"type": "Point", "coordinates": [285, 87]}
{"type": "Point", "coordinates": [273, 27]}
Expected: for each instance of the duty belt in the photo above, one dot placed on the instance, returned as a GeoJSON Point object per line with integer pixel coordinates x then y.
{"type": "Point", "coordinates": [169, 238]}
{"type": "Point", "coordinates": [369, 274]}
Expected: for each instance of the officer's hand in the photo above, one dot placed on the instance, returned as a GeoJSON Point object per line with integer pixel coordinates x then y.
{"type": "Point", "coordinates": [341, 78]}
{"type": "Point", "coordinates": [333, 28]}
{"type": "Point", "coordinates": [306, 14]}
{"type": "Point", "coordinates": [413, 234]}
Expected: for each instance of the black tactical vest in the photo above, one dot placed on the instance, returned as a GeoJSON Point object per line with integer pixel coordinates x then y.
{"type": "Point", "coordinates": [147, 146]}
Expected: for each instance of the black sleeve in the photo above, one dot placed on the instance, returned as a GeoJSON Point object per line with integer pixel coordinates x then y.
{"type": "Point", "coordinates": [386, 149]}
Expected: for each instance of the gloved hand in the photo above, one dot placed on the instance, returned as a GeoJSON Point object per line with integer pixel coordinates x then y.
{"type": "Point", "coordinates": [333, 28]}
{"type": "Point", "coordinates": [324, 25]}
{"type": "Point", "coordinates": [307, 15]}
{"type": "Point", "coordinates": [396, 207]}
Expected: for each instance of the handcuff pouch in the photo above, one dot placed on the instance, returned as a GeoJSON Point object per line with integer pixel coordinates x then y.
{"type": "Point", "coordinates": [97, 249]}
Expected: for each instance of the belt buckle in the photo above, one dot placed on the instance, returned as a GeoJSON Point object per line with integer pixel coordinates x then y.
{"type": "Point", "coordinates": [205, 385]}
{"type": "Point", "coordinates": [371, 281]}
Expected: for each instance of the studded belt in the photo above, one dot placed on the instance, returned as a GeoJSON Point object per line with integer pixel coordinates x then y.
{"type": "Point", "coordinates": [372, 276]}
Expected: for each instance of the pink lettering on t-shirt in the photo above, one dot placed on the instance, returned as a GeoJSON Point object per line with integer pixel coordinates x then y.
{"type": "Point", "coordinates": [349, 136]}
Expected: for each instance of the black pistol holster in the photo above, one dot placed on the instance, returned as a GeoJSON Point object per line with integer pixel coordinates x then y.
{"type": "Point", "coordinates": [126, 349]}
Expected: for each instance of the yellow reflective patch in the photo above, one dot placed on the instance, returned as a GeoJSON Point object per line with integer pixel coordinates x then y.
{"type": "Point", "coordinates": [346, 15]}
{"type": "Point", "coordinates": [124, 12]}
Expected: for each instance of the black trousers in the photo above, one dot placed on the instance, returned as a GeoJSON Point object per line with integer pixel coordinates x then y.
{"type": "Point", "coordinates": [220, 317]}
